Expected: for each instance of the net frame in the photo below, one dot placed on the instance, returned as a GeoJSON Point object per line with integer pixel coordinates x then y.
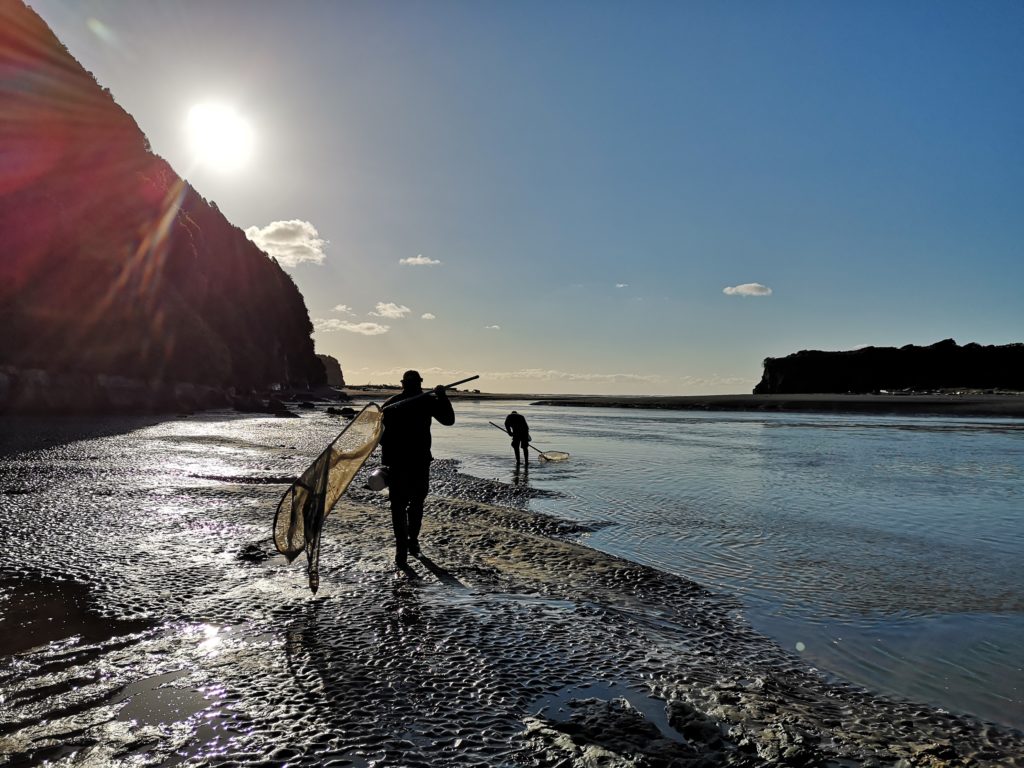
{"type": "Point", "coordinates": [304, 507]}
{"type": "Point", "coordinates": [552, 455]}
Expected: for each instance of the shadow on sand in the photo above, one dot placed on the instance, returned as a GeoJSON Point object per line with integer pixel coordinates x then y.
{"type": "Point", "coordinates": [23, 433]}
{"type": "Point", "coordinates": [442, 575]}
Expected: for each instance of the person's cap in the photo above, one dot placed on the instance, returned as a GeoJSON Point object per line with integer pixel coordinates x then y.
{"type": "Point", "coordinates": [411, 376]}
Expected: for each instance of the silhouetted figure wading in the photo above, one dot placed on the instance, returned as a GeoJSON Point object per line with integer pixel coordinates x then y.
{"type": "Point", "coordinates": [405, 451]}
{"type": "Point", "coordinates": [516, 426]}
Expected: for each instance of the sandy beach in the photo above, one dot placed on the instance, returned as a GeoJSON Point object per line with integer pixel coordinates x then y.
{"type": "Point", "coordinates": [506, 644]}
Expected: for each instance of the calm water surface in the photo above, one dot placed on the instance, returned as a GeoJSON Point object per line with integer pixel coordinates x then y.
{"type": "Point", "coordinates": [886, 550]}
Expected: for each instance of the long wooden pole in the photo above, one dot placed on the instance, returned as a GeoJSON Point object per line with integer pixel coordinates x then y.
{"type": "Point", "coordinates": [430, 392]}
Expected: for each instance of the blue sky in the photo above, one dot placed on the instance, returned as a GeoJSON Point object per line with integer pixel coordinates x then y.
{"type": "Point", "coordinates": [591, 176]}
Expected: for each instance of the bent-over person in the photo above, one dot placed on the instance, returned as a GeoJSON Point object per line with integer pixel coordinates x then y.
{"type": "Point", "coordinates": [516, 426]}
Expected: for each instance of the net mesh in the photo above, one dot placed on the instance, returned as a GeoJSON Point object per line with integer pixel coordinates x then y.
{"type": "Point", "coordinates": [554, 456]}
{"type": "Point", "coordinates": [302, 510]}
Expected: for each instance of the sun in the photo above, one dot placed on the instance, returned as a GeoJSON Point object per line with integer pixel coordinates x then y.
{"type": "Point", "coordinates": [219, 137]}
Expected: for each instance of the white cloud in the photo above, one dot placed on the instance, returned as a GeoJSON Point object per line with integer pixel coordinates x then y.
{"type": "Point", "coordinates": [622, 285]}
{"type": "Point", "coordinates": [492, 327]}
{"type": "Point", "coordinates": [291, 242]}
{"type": "Point", "coordinates": [390, 309]}
{"type": "Point", "coordinates": [419, 261]}
{"type": "Point", "coordinates": [428, 316]}
{"type": "Point", "coordinates": [334, 324]}
{"type": "Point", "coordinates": [344, 309]}
{"type": "Point", "coordinates": [747, 289]}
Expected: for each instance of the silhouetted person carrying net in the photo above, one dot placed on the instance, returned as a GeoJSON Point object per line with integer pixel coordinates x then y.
{"type": "Point", "coordinates": [516, 426]}
{"type": "Point", "coordinates": [405, 451]}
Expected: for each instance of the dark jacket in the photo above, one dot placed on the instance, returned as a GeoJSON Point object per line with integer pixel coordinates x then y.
{"type": "Point", "coordinates": [406, 437]}
{"type": "Point", "coordinates": [516, 424]}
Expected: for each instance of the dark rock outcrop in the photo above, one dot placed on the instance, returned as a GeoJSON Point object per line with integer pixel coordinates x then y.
{"type": "Point", "coordinates": [335, 378]}
{"type": "Point", "coordinates": [944, 365]}
{"type": "Point", "coordinates": [111, 264]}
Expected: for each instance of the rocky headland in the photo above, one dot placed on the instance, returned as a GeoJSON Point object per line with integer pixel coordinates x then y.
{"type": "Point", "coordinates": [117, 277]}
{"type": "Point", "coordinates": [942, 366]}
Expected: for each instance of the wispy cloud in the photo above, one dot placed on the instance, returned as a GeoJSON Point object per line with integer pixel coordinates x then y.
{"type": "Point", "coordinates": [291, 242]}
{"type": "Point", "coordinates": [334, 324]}
{"type": "Point", "coordinates": [714, 381]}
{"type": "Point", "coordinates": [549, 374]}
{"type": "Point", "coordinates": [492, 327]}
{"type": "Point", "coordinates": [554, 376]}
{"type": "Point", "coordinates": [428, 316]}
{"type": "Point", "coordinates": [419, 261]}
{"type": "Point", "coordinates": [622, 285]}
{"type": "Point", "coordinates": [747, 289]}
{"type": "Point", "coordinates": [543, 374]}
{"type": "Point", "coordinates": [391, 310]}
{"type": "Point", "coordinates": [343, 309]}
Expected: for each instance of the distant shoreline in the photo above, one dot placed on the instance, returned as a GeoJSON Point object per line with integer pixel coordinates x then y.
{"type": "Point", "coordinates": [1009, 406]}
{"type": "Point", "coordinates": [973, 404]}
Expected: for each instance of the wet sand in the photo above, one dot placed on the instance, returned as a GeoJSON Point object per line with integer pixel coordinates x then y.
{"type": "Point", "coordinates": [506, 644]}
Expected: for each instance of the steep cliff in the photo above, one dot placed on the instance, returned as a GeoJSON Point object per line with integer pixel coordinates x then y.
{"type": "Point", "coordinates": [335, 378]}
{"type": "Point", "coordinates": [111, 264]}
{"type": "Point", "coordinates": [944, 365]}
